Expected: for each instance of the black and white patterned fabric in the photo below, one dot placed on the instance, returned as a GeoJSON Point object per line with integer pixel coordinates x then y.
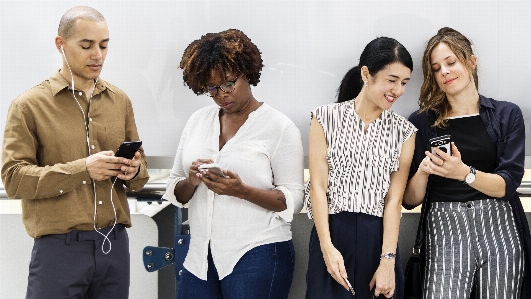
{"type": "Point", "coordinates": [360, 162]}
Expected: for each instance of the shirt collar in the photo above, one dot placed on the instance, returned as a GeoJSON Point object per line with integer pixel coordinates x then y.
{"type": "Point", "coordinates": [384, 115]}
{"type": "Point", "coordinates": [58, 83]}
{"type": "Point", "coordinates": [483, 101]}
{"type": "Point", "coordinates": [486, 102]}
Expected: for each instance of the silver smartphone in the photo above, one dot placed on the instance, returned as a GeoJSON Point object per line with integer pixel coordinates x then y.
{"type": "Point", "coordinates": [212, 167]}
{"type": "Point", "coordinates": [350, 287]}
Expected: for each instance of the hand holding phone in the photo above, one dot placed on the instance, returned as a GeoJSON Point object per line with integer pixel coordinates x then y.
{"type": "Point", "coordinates": [212, 167]}
{"type": "Point", "coordinates": [128, 149]}
{"type": "Point", "coordinates": [441, 142]}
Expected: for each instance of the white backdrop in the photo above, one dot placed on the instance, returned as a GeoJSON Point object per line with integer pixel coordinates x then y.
{"type": "Point", "coordinates": [307, 46]}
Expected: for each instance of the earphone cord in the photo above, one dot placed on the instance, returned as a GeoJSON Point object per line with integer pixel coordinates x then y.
{"type": "Point", "coordinates": [80, 107]}
{"type": "Point", "coordinates": [106, 236]}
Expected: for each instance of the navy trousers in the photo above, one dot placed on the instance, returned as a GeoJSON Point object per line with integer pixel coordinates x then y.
{"type": "Point", "coordinates": [73, 265]}
{"type": "Point", "coordinates": [359, 238]}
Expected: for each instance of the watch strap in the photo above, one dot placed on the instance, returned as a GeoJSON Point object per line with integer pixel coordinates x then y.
{"type": "Point", "coordinates": [472, 171]}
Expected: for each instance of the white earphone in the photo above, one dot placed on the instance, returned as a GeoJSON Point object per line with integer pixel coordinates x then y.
{"type": "Point", "coordinates": [105, 236]}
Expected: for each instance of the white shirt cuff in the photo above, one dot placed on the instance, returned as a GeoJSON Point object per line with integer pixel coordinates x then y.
{"type": "Point", "coordinates": [169, 194]}
{"type": "Point", "coordinates": [287, 214]}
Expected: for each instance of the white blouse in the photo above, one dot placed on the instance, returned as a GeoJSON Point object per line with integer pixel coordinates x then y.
{"type": "Point", "coordinates": [266, 153]}
{"type": "Point", "coordinates": [359, 163]}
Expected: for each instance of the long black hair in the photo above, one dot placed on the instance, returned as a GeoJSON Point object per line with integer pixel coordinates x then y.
{"type": "Point", "coordinates": [378, 54]}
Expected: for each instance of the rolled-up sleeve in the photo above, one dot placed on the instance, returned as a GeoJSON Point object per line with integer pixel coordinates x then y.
{"type": "Point", "coordinates": [511, 148]}
{"type": "Point", "coordinates": [287, 164]}
{"type": "Point", "coordinates": [177, 174]}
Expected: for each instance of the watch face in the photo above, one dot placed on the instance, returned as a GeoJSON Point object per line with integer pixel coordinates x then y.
{"type": "Point", "coordinates": [470, 178]}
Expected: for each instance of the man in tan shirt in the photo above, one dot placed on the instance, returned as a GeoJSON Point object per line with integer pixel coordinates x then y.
{"type": "Point", "coordinates": [58, 159]}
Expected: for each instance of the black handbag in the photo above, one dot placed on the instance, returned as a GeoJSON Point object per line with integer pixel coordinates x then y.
{"type": "Point", "coordinates": [414, 273]}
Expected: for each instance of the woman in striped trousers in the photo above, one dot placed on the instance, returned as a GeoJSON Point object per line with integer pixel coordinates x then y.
{"type": "Point", "coordinates": [477, 235]}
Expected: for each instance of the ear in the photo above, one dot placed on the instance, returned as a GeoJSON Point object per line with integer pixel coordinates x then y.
{"type": "Point", "coordinates": [473, 61]}
{"type": "Point", "coordinates": [365, 73]}
{"type": "Point", "coordinates": [59, 41]}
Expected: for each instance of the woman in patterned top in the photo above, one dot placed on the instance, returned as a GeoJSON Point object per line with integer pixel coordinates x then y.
{"type": "Point", "coordinates": [359, 154]}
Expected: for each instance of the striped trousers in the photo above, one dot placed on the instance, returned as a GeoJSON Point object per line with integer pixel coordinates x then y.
{"type": "Point", "coordinates": [469, 243]}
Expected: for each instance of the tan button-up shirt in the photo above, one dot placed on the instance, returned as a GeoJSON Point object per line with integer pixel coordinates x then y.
{"type": "Point", "coordinates": [44, 152]}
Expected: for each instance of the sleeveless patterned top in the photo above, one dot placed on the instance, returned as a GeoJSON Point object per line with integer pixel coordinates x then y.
{"type": "Point", "coordinates": [359, 163]}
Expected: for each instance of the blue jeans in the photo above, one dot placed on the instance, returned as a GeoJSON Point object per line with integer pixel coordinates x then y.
{"type": "Point", "coordinates": [264, 272]}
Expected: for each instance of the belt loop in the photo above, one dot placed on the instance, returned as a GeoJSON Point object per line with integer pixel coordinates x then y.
{"type": "Point", "coordinates": [67, 239]}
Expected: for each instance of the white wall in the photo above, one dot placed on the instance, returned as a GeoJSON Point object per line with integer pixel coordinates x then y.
{"type": "Point", "coordinates": [307, 46]}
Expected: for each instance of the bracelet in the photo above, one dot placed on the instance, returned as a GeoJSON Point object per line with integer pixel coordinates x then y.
{"type": "Point", "coordinates": [388, 255]}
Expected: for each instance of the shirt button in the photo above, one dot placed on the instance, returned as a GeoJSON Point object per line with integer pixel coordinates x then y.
{"type": "Point", "coordinates": [90, 118]}
{"type": "Point", "coordinates": [80, 93]}
{"type": "Point", "coordinates": [468, 205]}
{"type": "Point", "coordinates": [93, 147]}
{"type": "Point", "coordinates": [84, 182]}
{"type": "Point", "coordinates": [60, 191]}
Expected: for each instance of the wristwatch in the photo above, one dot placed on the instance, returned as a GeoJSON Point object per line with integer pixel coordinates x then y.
{"type": "Point", "coordinates": [470, 177]}
{"type": "Point", "coordinates": [388, 255]}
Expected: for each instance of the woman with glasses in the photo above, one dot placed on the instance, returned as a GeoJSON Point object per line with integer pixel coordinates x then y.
{"type": "Point", "coordinates": [359, 153]}
{"type": "Point", "coordinates": [240, 220]}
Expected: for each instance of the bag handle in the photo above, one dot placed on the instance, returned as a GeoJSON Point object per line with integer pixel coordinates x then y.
{"type": "Point", "coordinates": [419, 240]}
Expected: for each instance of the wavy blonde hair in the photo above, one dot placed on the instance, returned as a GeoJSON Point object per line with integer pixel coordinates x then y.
{"type": "Point", "coordinates": [431, 95]}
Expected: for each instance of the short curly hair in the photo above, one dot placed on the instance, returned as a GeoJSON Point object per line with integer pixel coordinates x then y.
{"type": "Point", "coordinates": [230, 50]}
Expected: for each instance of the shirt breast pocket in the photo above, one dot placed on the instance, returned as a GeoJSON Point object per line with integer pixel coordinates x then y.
{"type": "Point", "coordinates": [389, 163]}
{"type": "Point", "coordinates": [250, 151]}
{"type": "Point", "coordinates": [382, 167]}
{"type": "Point", "coordinates": [114, 136]}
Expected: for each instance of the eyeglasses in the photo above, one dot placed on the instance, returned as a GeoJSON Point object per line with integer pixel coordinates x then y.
{"type": "Point", "coordinates": [227, 87]}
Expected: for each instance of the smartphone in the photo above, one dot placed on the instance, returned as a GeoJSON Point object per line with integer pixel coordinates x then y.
{"type": "Point", "coordinates": [350, 287]}
{"type": "Point", "coordinates": [441, 142]}
{"type": "Point", "coordinates": [213, 168]}
{"type": "Point", "coordinates": [128, 149]}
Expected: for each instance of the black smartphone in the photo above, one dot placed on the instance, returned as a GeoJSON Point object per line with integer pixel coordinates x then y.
{"type": "Point", "coordinates": [128, 149]}
{"type": "Point", "coordinates": [441, 142]}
